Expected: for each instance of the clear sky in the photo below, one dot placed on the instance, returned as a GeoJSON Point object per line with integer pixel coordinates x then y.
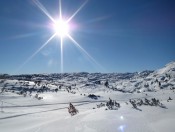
{"type": "Point", "coordinates": [119, 35]}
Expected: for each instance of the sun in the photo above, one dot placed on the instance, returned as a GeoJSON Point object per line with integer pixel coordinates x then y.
{"type": "Point", "coordinates": [61, 28]}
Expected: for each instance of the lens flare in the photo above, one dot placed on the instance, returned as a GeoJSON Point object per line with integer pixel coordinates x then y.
{"type": "Point", "coordinates": [121, 117]}
{"type": "Point", "coordinates": [61, 45]}
{"type": "Point", "coordinates": [84, 51]}
{"type": "Point", "coordinates": [75, 13]}
{"type": "Point", "coordinates": [43, 9]}
{"type": "Point", "coordinates": [61, 28]}
{"type": "Point", "coordinates": [121, 128]}
{"type": "Point", "coordinates": [36, 52]}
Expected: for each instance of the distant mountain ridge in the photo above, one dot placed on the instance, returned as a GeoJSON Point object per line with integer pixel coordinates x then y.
{"type": "Point", "coordinates": [163, 78]}
{"type": "Point", "coordinates": [169, 69]}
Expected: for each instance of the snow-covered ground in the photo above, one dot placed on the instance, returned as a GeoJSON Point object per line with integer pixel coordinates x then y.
{"type": "Point", "coordinates": [22, 111]}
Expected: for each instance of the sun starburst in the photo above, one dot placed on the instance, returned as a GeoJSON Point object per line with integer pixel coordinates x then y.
{"type": "Point", "coordinates": [61, 29]}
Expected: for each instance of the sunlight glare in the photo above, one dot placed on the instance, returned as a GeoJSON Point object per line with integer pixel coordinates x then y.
{"type": "Point", "coordinates": [122, 128]}
{"type": "Point", "coordinates": [77, 11]}
{"type": "Point", "coordinates": [43, 9]}
{"type": "Point", "coordinates": [121, 117]}
{"type": "Point", "coordinates": [61, 28]}
{"type": "Point", "coordinates": [85, 52]}
{"type": "Point", "coordinates": [36, 52]}
{"type": "Point", "coordinates": [62, 65]}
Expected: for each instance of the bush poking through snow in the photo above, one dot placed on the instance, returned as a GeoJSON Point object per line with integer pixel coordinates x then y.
{"type": "Point", "coordinates": [112, 105]}
{"type": "Point", "coordinates": [92, 96]}
{"type": "Point", "coordinates": [101, 105]}
{"type": "Point", "coordinates": [72, 110]}
{"type": "Point", "coordinates": [169, 99]}
{"type": "Point", "coordinates": [151, 102]}
{"type": "Point", "coordinates": [56, 90]}
{"type": "Point", "coordinates": [106, 84]}
{"type": "Point", "coordinates": [133, 102]}
{"type": "Point", "coordinates": [37, 97]}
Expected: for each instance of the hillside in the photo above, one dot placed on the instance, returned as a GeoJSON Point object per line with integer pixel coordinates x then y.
{"type": "Point", "coordinates": [107, 102]}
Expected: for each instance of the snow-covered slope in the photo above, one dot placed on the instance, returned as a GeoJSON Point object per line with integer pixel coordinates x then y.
{"type": "Point", "coordinates": [39, 102]}
{"type": "Point", "coordinates": [169, 69]}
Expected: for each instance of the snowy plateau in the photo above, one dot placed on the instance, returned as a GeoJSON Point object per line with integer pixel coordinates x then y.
{"type": "Point", "coordinates": [106, 102]}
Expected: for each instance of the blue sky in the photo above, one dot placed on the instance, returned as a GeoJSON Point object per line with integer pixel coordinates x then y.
{"type": "Point", "coordinates": [121, 36]}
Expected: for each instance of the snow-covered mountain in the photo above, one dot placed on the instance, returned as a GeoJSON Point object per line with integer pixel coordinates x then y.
{"type": "Point", "coordinates": [140, 101]}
